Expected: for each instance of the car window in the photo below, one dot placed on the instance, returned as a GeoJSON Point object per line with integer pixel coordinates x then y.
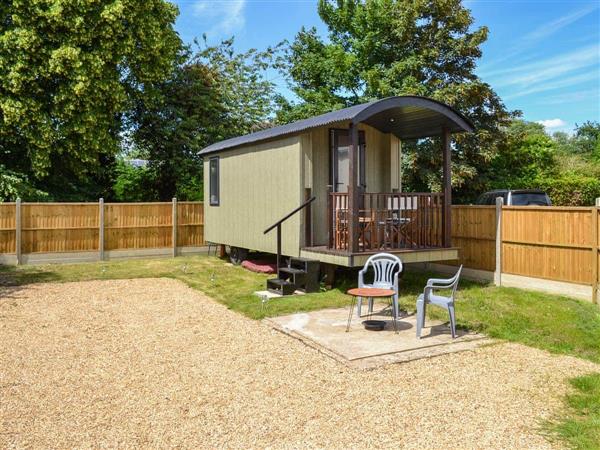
{"type": "Point", "coordinates": [526, 198]}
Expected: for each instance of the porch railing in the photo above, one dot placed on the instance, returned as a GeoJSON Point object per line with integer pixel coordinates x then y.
{"type": "Point", "coordinates": [406, 220]}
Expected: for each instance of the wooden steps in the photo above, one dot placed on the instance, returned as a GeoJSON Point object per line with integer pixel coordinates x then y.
{"type": "Point", "coordinates": [302, 274]}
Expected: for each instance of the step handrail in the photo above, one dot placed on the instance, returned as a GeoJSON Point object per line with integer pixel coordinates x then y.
{"type": "Point", "coordinates": [278, 226]}
{"type": "Point", "coordinates": [286, 217]}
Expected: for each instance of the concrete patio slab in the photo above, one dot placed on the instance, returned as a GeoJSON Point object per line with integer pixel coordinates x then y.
{"type": "Point", "coordinates": [268, 295]}
{"type": "Point", "coordinates": [325, 330]}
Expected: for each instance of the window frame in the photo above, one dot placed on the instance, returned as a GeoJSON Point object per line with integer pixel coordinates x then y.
{"type": "Point", "coordinates": [211, 184]}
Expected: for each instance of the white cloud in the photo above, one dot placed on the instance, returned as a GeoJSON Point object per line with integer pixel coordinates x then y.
{"type": "Point", "coordinates": [226, 16]}
{"type": "Point", "coordinates": [525, 42]}
{"type": "Point", "coordinates": [554, 84]}
{"type": "Point", "coordinates": [566, 70]}
{"type": "Point", "coordinates": [552, 123]}
{"type": "Point", "coordinates": [569, 97]}
{"type": "Point", "coordinates": [534, 72]}
{"type": "Point", "coordinates": [550, 28]}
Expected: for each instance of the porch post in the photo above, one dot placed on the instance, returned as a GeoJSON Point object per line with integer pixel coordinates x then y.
{"type": "Point", "coordinates": [447, 189]}
{"type": "Point", "coordinates": [353, 191]}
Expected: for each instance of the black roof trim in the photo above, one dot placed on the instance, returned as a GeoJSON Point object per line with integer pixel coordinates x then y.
{"type": "Point", "coordinates": [423, 102]}
{"type": "Point", "coordinates": [378, 113]}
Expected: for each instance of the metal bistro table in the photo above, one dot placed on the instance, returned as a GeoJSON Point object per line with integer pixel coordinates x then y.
{"type": "Point", "coordinates": [369, 293]}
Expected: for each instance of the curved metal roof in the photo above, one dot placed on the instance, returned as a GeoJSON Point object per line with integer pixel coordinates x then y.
{"type": "Point", "coordinates": [407, 117]}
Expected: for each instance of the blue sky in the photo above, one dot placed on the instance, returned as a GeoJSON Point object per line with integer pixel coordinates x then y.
{"type": "Point", "coordinates": [542, 57]}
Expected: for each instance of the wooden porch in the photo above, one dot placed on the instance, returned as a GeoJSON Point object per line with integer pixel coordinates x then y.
{"type": "Point", "coordinates": [359, 221]}
{"type": "Point", "coordinates": [388, 221]}
{"type": "Point", "coordinates": [353, 169]}
{"type": "Point", "coordinates": [411, 225]}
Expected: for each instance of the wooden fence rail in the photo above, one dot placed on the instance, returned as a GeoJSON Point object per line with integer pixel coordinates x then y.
{"type": "Point", "coordinates": [525, 244]}
{"type": "Point", "coordinates": [55, 231]}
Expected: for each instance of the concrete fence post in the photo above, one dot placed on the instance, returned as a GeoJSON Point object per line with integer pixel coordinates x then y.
{"type": "Point", "coordinates": [498, 271]}
{"type": "Point", "coordinates": [174, 222]}
{"type": "Point", "coordinates": [595, 251]}
{"type": "Point", "coordinates": [18, 228]}
{"type": "Point", "coordinates": [101, 229]}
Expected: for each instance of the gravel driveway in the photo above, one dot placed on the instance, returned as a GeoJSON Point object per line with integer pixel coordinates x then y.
{"type": "Point", "coordinates": [153, 363]}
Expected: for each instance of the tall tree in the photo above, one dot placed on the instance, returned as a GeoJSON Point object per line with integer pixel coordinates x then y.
{"type": "Point", "coordinates": [68, 71]}
{"type": "Point", "coordinates": [380, 48]}
{"type": "Point", "coordinates": [587, 139]}
{"type": "Point", "coordinates": [212, 94]}
{"type": "Point", "coordinates": [527, 155]}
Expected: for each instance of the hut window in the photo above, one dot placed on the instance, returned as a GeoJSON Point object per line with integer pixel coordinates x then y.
{"type": "Point", "coordinates": [214, 181]}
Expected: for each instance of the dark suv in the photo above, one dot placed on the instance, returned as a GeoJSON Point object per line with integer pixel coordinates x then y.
{"type": "Point", "coordinates": [516, 197]}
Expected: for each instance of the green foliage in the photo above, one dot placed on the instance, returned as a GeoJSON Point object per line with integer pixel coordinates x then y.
{"type": "Point", "coordinates": [133, 184]}
{"type": "Point", "coordinates": [568, 188]}
{"type": "Point", "coordinates": [527, 154]}
{"type": "Point", "coordinates": [587, 139]}
{"type": "Point", "coordinates": [581, 151]}
{"type": "Point", "coordinates": [68, 71]}
{"type": "Point", "coordinates": [211, 95]}
{"type": "Point", "coordinates": [530, 158]}
{"type": "Point", "coordinates": [379, 48]}
{"type": "Point", "coordinates": [15, 185]}
{"type": "Point", "coordinates": [246, 96]}
{"type": "Point", "coordinates": [172, 124]}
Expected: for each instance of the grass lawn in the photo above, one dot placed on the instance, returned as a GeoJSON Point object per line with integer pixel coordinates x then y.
{"type": "Point", "coordinates": [580, 427]}
{"type": "Point", "coordinates": [554, 323]}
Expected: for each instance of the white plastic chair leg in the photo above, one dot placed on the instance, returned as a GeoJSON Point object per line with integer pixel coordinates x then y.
{"type": "Point", "coordinates": [420, 316]}
{"type": "Point", "coordinates": [395, 312]}
{"type": "Point", "coordinates": [452, 320]}
{"type": "Point", "coordinates": [395, 307]}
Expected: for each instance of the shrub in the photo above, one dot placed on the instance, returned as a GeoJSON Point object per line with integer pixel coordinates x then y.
{"type": "Point", "coordinates": [569, 189]}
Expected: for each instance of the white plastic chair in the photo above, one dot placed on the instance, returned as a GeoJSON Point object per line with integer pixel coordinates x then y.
{"type": "Point", "coordinates": [386, 269]}
{"type": "Point", "coordinates": [428, 297]}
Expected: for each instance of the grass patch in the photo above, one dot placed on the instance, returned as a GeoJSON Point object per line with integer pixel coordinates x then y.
{"type": "Point", "coordinates": [579, 428]}
{"type": "Point", "coordinates": [231, 285]}
{"type": "Point", "coordinates": [555, 323]}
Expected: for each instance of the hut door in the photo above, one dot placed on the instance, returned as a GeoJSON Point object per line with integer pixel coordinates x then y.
{"type": "Point", "coordinates": [340, 160]}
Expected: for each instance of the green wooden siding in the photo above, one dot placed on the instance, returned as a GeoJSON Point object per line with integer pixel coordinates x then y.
{"type": "Point", "coordinates": [259, 184]}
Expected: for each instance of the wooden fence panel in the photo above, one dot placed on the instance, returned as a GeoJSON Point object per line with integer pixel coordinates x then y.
{"type": "Point", "coordinates": [561, 226]}
{"type": "Point", "coordinates": [553, 263]}
{"type": "Point", "coordinates": [75, 227]}
{"type": "Point", "coordinates": [7, 227]}
{"type": "Point", "coordinates": [552, 243]}
{"type": "Point", "coordinates": [190, 224]}
{"type": "Point", "coordinates": [474, 232]}
{"type": "Point", "coordinates": [137, 225]}
{"type": "Point", "coordinates": [59, 227]}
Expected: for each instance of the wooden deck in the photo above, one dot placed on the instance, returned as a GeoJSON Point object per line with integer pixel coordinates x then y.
{"type": "Point", "coordinates": [358, 259]}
